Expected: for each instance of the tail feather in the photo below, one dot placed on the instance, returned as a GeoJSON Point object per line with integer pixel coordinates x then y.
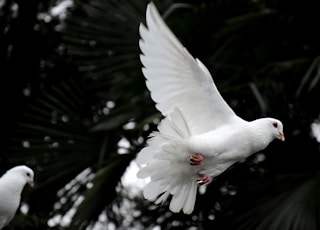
{"type": "Point", "coordinates": [166, 165]}
{"type": "Point", "coordinates": [174, 126]}
{"type": "Point", "coordinates": [191, 198]}
{"type": "Point", "coordinates": [178, 198]}
{"type": "Point", "coordinates": [146, 155]}
{"type": "Point", "coordinates": [163, 197]}
{"type": "Point", "coordinates": [153, 190]}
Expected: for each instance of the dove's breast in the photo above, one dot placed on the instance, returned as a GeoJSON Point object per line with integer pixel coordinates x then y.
{"type": "Point", "coordinates": [226, 143]}
{"type": "Point", "coordinates": [9, 202]}
{"type": "Point", "coordinates": [221, 148]}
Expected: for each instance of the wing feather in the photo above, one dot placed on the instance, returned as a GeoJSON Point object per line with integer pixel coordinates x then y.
{"type": "Point", "coordinates": [176, 79]}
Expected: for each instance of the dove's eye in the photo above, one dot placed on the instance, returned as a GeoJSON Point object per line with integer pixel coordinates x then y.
{"type": "Point", "coordinates": [275, 124]}
{"type": "Point", "coordinates": [28, 174]}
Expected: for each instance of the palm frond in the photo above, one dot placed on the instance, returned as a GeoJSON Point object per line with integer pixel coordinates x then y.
{"type": "Point", "coordinates": [104, 188]}
{"type": "Point", "coordinates": [284, 202]}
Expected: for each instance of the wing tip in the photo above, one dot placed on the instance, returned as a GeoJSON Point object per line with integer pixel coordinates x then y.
{"type": "Point", "coordinates": [153, 17]}
{"type": "Point", "coordinates": [151, 8]}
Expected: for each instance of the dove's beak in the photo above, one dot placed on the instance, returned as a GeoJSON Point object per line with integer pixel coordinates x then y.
{"type": "Point", "coordinates": [281, 136]}
{"type": "Point", "coordinates": [31, 184]}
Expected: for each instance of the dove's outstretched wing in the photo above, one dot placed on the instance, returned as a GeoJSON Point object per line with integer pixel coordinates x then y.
{"type": "Point", "coordinates": [176, 79]}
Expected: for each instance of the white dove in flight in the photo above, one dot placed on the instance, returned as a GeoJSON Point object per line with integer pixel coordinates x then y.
{"type": "Point", "coordinates": [200, 135]}
{"type": "Point", "coordinates": [11, 186]}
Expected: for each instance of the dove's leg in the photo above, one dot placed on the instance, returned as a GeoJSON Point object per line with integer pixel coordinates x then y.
{"type": "Point", "coordinates": [195, 159]}
{"type": "Point", "coordinates": [203, 179]}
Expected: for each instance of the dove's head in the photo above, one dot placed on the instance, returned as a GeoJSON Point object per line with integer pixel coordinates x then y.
{"type": "Point", "coordinates": [274, 127]}
{"type": "Point", "coordinates": [25, 174]}
{"type": "Point", "coordinates": [277, 129]}
{"type": "Point", "coordinates": [269, 129]}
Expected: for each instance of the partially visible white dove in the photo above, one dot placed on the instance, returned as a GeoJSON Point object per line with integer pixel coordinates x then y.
{"type": "Point", "coordinates": [11, 186]}
{"type": "Point", "coordinates": [200, 136]}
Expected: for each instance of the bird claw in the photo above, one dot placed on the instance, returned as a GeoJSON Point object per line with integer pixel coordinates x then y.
{"type": "Point", "coordinates": [195, 159]}
{"type": "Point", "coordinates": [204, 178]}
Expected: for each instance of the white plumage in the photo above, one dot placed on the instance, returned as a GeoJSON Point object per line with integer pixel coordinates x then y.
{"type": "Point", "coordinates": [200, 136]}
{"type": "Point", "coordinates": [11, 186]}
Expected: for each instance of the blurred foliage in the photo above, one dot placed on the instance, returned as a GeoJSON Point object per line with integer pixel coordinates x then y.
{"type": "Point", "coordinates": [72, 93]}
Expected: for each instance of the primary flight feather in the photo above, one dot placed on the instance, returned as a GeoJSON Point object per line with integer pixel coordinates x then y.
{"type": "Point", "coordinates": [11, 186]}
{"type": "Point", "coordinates": [200, 135]}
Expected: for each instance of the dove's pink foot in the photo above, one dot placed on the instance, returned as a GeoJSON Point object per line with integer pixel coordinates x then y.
{"type": "Point", "coordinates": [203, 179]}
{"type": "Point", "coordinates": [195, 159]}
